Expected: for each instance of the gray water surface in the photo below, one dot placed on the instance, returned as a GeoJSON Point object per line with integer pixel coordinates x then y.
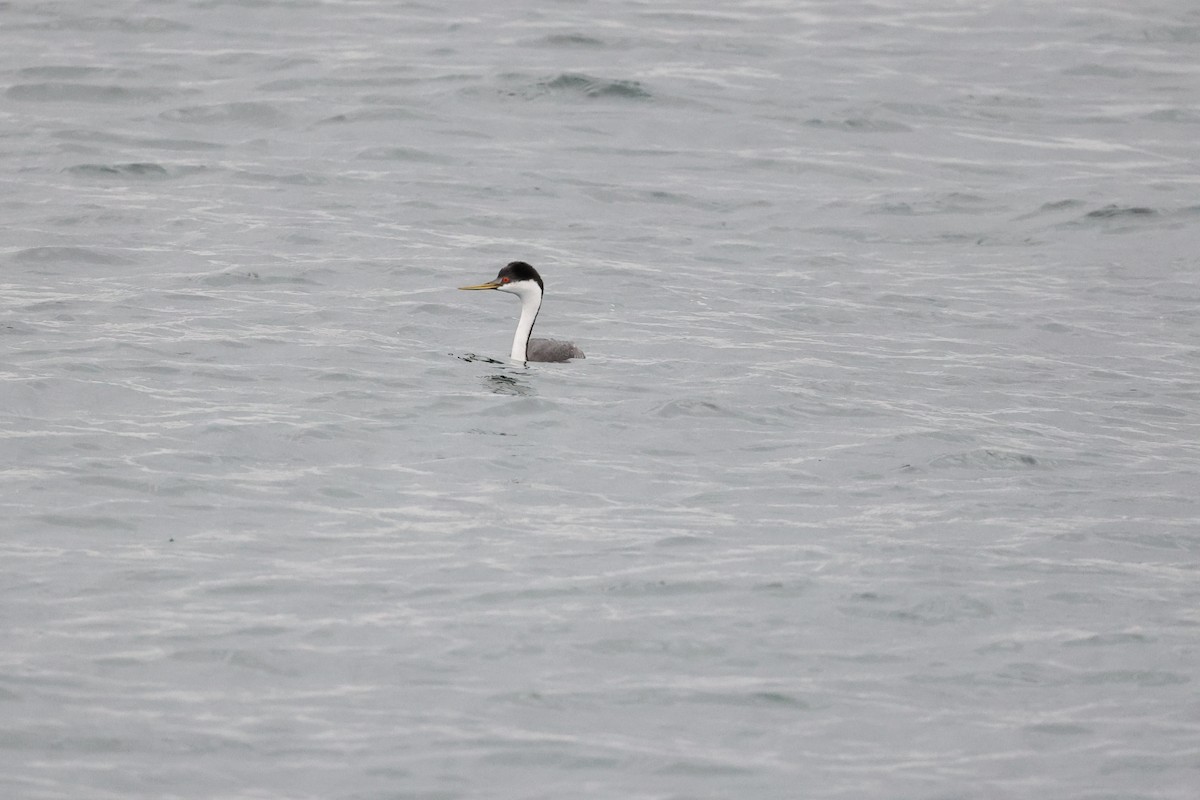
{"type": "Point", "coordinates": [881, 478]}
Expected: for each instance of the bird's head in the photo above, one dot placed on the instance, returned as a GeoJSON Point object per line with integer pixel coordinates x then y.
{"type": "Point", "coordinates": [515, 278]}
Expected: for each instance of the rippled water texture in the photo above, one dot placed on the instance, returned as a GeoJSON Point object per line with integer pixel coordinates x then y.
{"type": "Point", "coordinates": [880, 479]}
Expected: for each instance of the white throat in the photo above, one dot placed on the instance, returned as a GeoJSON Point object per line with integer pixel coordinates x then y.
{"type": "Point", "coordinates": [531, 301]}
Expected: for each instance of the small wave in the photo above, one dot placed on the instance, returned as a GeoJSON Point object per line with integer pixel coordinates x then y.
{"type": "Point", "coordinates": [1059, 205]}
{"type": "Point", "coordinates": [1134, 677]}
{"type": "Point", "coordinates": [1102, 71]}
{"type": "Point", "coordinates": [61, 71]}
{"type": "Point", "coordinates": [402, 154]}
{"type": "Point", "coordinates": [1058, 729]}
{"type": "Point", "coordinates": [580, 85]}
{"type": "Point", "coordinates": [1187, 34]}
{"type": "Point", "coordinates": [266, 114]}
{"type": "Point", "coordinates": [1186, 116]}
{"type": "Point", "coordinates": [472, 357]}
{"type": "Point", "coordinates": [572, 40]}
{"type": "Point", "coordinates": [86, 522]}
{"type": "Point", "coordinates": [285, 179]}
{"type": "Point", "coordinates": [1121, 211]}
{"type": "Point", "coordinates": [598, 87]}
{"type": "Point", "coordinates": [137, 169]}
{"type": "Point", "coordinates": [691, 408]}
{"type": "Point", "coordinates": [986, 459]}
{"type": "Point", "coordinates": [859, 125]}
{"type": "Point", "coordinates": [949, 203]}
{"type": "Point", "coordinates": [389, 114]}
{"type": "Point", "coordinates": [65, 255]}
{"type": "Point", "coordinates": [17, 329]}
{"type": "Point", "coordinates": [92, 137]}
{"type": "Point", "coordinates": [242, 277]}
{"type": "Point", "coordinates": [58, 92]}
{"type": "Point", "coordinates": [1109, 639]}
{"type": "Point", "coordinates": [122, 24]}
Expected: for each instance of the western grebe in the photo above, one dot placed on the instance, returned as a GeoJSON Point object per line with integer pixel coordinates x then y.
{"type": "Point", "coordinates": [523, 280]}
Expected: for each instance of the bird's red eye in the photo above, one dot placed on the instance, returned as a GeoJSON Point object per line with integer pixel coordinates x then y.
{"type": "Point", "coordinates": [504, 280]}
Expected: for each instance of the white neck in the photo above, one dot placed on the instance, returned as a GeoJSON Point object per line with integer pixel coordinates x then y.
{"type": "Point", "coordinates": [531, 301]}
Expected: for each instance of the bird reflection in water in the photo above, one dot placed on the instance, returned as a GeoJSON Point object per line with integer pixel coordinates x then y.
{"type": "Point", "coordinates": [507, 384]}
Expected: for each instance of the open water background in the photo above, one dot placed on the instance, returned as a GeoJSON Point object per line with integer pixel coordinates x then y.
{"type": "Point", "coordinates": [881, 477]}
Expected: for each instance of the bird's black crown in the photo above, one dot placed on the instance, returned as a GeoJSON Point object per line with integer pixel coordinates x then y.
{"type": "Point", "coordinates": [520, 271]}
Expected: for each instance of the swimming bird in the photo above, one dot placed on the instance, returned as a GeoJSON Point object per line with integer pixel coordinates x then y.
{"type": "Point", "coordinates": [523, 280]}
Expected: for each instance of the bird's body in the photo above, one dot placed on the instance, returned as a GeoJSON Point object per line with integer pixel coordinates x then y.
{"type": "Point", "coordinates": [550, 350]}
{"type": "Point", "coordinates": [524, 281]}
